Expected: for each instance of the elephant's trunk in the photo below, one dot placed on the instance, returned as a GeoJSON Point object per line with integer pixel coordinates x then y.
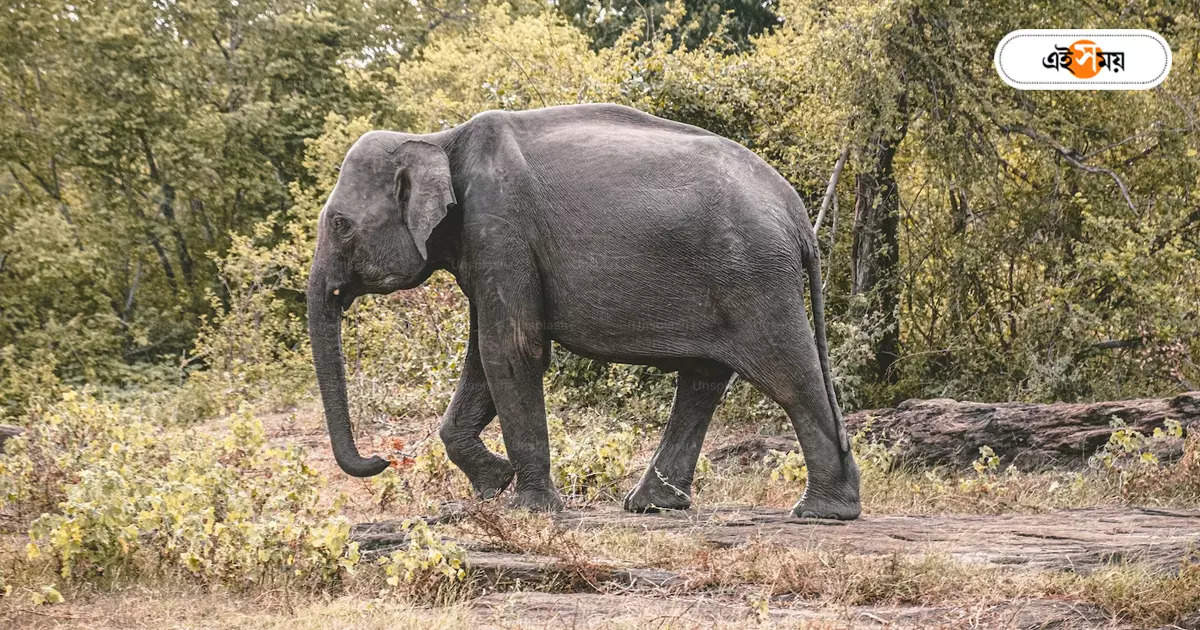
{"type": "Point", "coordinates": [325, 330]}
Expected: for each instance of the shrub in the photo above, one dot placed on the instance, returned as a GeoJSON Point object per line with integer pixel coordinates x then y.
{"type": "Point", "coordinates": [234, 511]}
{"type": "Point", "coordinates": [59, 443]}
{"type": "Point", "coordinates": [789, 466]}
{"type": "Point", "coordinates": [121, 497]}
{"type": "Point", "coordinates": [1127, 449]}
{"type": "Point", "coordinates": [1130, 462]}
{"type": "Point", "coordinates": [403, 352]}
{"type": "Point", "coordinates": [875, 459]}
{"type": "Point", "coordinates": [426, 563]}
{"type": "Point", "coordinates": [433, 463]}
{"type": "Point", "coordinates": [987, 470]}
{"type": "Point", "coordinates": [627, 392]}
{"type": "Point", "coordinates": [595, 462]}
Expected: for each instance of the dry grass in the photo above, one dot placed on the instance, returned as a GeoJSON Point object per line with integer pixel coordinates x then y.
{"type": "Point", "coordinates": [172, 606]}
{"type": "Point", "coordinates": [1132, 592]}
{"type": "Point", "coordinates": [764, 571]}
{"type": "Point", "coordinates": [744, 582]}
{"type": "Point", "coordinates": [748, 579]}
{"type": "Point", "coordinates": [889, 488]}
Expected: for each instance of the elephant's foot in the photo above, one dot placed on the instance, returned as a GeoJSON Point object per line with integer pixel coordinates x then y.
{"type": "Point", "coordinates": [652, 495]}
{"type": "Point", "coordinates": [809, 508]}
{"type": "Point", "coordinates": [536, 500]}
{"type": "Point", "coordinates": [832, 490]}
{"type": "Point", "coordinates": [814, 505]}
{"type": "Point", "coordinates": [492, 479]}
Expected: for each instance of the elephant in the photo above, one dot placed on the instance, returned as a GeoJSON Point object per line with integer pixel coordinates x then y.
{"type": "Point", "coordinates": [619, 235]}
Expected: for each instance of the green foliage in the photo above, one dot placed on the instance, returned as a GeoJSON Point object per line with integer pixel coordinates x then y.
{"type": "Point", "coordinates": [988, 462]}
{"type": "Point", "coordinates": [594, 461]}
{"type": "Point", "coordinates": [176, 156]}
{"type": "Point", "coordinates": [403, 352]}
{"type": "Point", "coordinates": [139, 141]}
{"type": "Point", "coordinates": [47, 595]}
{"type": "Point", "coordinates": [236, 511]}
{"type": "Point", "coordinates": [28, 381]}
{"type": "Point", "coordinates": [118, 496]}
{"type": "Point", "coordinates": [704, 472]}
{"type": "Point", "coordinates": [1128, 448]}
{"type": "Point", "coordinates": [986, 480]}
{"type": "Point", "coordinates": [1131, 460]}
{"type": "Point", "coordinates": [734, 22]}
{"type": "Point", "coordinates": [638, 394]}
{"type": "Point", "coordinates": [433, 464]}
{"type": "Point", "coordinates": [874, 456]}
{"type": "Point", "coordinates": [255, 345]}
{"type": "Point", "coordinates": [425, 564]}
{"type": "Point", "coordinates": [789, 466]}
{"type": "Point", "coordinates": [60, 441]}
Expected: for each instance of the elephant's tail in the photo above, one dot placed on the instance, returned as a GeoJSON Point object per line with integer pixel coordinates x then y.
{"type": "Point", "coordinates": [812, 265]}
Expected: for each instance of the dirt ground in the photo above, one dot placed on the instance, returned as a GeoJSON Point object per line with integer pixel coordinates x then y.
{"type": "Point", "coordinates": [1071, 541]}
{"type": "Point", "coordinates": [542, 588]}
{"type": "Point", "coordinates": [720, 565]}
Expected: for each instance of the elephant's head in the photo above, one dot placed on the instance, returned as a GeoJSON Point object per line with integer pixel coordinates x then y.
{"type": "Point", "coordinates": [373, 236]}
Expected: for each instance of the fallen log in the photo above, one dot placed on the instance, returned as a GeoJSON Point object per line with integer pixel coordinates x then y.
{"type": "Point", "coordinates": [1027, 435]}
{"type": "Point", "coordinates": [504, 568]}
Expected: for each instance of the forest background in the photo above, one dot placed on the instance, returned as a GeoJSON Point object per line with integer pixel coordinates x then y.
{"type": "Point", "coordinates": [164, 164]}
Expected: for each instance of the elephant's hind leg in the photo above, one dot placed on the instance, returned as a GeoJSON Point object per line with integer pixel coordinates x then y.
{"type": "Point", "coordinates": [469, 413]}
{"type": "Point", "coordinates": [789, 373]}
{"type": "Point", "coordinates": [667, 483]}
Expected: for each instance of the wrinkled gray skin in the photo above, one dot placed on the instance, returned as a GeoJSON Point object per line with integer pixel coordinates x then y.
{"type": "Point", "coordinates": [619, 235]}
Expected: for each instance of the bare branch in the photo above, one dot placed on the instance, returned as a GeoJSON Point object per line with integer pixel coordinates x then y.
{"type": "Point", "coordinates": [832, 241]}
{"type": "Point", "coordinates": [1072, 157]}
{"type": "Point", "coordinates": [831, 188]}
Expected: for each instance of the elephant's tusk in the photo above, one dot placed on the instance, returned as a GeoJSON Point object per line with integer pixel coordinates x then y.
{"type": "Point", "coordinates": [337, 291]}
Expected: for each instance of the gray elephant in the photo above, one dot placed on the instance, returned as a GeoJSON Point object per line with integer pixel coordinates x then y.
{"type": "Point", "coordinates": [621, 236]}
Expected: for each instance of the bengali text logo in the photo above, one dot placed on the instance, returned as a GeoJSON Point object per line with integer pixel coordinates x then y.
{"type": "Point", "coordinates": [1105, 59]}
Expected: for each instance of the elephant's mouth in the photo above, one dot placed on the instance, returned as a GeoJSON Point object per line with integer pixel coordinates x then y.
{"type": "Point", "coordinates": [386, 284]}
{"type": "Point", "coordinates": [378, 285]}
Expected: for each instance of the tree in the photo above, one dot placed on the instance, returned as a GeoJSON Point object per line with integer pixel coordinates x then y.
{"type": "Point", "coordinates": [734, 22]}
{"type": "Point", "coordinates": [137, 139]}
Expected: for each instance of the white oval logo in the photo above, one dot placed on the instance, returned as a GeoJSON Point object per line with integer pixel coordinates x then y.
{"type": "Point", "coordinates": [1083, 59]}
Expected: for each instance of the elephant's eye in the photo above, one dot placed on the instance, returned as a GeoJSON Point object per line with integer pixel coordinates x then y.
{"type": "Point", "coordinates": [341, 225]}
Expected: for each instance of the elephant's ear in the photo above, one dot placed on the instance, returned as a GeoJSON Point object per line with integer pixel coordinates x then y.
{"type": "Point", "coordinates": [423, 189]}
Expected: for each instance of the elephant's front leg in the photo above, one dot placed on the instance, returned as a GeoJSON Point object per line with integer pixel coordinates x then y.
{"type": "Point", "coordinates": [667, 484]}
{"type": "Point", "coordinates": [514, 352]}
{"type": "Point", "coordinates": [469, 413]}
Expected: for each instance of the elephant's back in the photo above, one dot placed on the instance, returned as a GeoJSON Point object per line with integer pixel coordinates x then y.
{"type": "Point", "coordinates": [612, 179]}
{"type": "Point", "coordinates": [562, 120]}
{"type": "Point", "coordinates": [623, 157]}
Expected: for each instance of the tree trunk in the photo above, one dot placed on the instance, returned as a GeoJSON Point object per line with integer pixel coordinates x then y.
{"type": "Point", "coordinates": [876, 249]}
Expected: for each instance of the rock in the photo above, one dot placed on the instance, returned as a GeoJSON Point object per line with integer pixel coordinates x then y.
{"type": "Point", "coordinates": [501, 568]}
{"type": "Point", "coordinates": [8, 431]}
{"type": "Point", "coordinates": [945, 432]}
{"type": "Point", "coordinates": [1026, 435]}
{"type": "Point", "coordinates": [1070, 540]}
{"type": "Point", "coordinates": [752, 450]}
